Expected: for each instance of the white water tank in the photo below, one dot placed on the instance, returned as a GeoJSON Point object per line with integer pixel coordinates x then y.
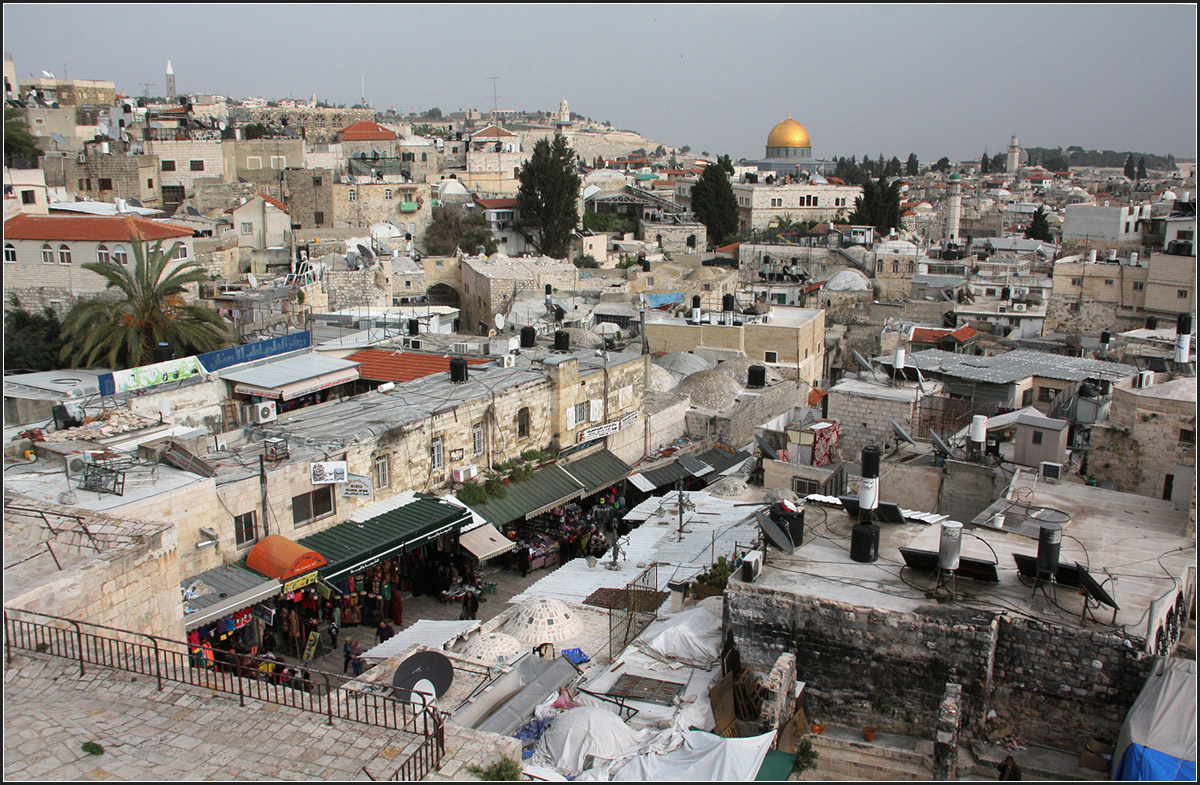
{"type": "Point", "coordinates": [978, 432]}
{"type": "Point", "coordinates": [1091, 257]}
{"type": "Point", "coordinates": [950, 545]}
{"type": "Point", "coordinates": [898, 362]}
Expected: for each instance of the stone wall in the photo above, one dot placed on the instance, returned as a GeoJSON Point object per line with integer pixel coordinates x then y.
{"type": "Point", "coordinates": [866, 416]}
{"type": "Point", "coordinates": [889, 669]}
{"type": "Point", "coordinates": [216, 196]}
{"type": "Point", "coordinates": [308, 194]}
{"type": "Point", "coordinates": [970, 488]}
{"type": "Point", "coordinates": [350, 288]}
{"type": "Point", "coordinates": [672, 238]}
{"type": "Point", "coordinates": [735, 428]}
{"type": "Point", "coordinates": [209, 153]}
{"type": "Point", "coordinates": [1140, 444]}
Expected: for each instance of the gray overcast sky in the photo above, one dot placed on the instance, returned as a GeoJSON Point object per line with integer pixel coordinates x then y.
{"type": "Point", "coordinates": [935, 80]}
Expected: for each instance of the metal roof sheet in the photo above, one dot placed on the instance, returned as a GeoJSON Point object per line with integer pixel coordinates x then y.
{"type": "Point", "coordinates": [598, 470]}
{"type": "Point", "coordinates": [434, 634]}
{"type": "Point", "coordinates": [223, 591]}
{"type": "Point", "coordinates": [284, 372]}
{"type": "Point", "coordinates": [1013, 366]}
{"type": "Point", "coordinates": [548, 486]}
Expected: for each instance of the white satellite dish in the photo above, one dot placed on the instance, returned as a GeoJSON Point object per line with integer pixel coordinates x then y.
{"type": "Point", "coordinates": [253, 279]}
{"type": "Point", "coordinates": [47, 74]}
{"type": "Point", "coordinates": [901, 433]}
{"type": "Point", "coordinates": [499, 321]}
{"type": "Point", "coordinates": [102, 128]}
{"type": "Point", "coordinates": [221, 124]}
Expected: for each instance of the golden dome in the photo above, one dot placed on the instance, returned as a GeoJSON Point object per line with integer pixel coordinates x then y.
{"type": "Point", "coordinates": [789, 133]}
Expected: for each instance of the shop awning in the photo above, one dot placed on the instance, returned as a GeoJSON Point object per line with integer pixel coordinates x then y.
{"type": "Point", "coordinates": [598, 470]}
{"type": "Point", "coordinates": [353, 546]}
{"type": "Point", "coordinates": [292, 377]}
{"type": "Point", "coordinates": [280, 558]}
{"type": "Point", "coordinates": [641, 483]}
{"type": "Point", "coordinates": [485, 542]}
{"type": "Point", "coordinates": [722, 460]}
{"type": "Point", "coordinates": [710, 465]}
{"type": "Point", "coordinates": [222, 591]}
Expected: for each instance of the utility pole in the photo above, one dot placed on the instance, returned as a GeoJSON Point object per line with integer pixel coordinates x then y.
{"type": "Point", "coordinates": [262, 479]}
{"type": "Point", "coordinates": [145, 89]}
{"type": "Point", "coordinates": [495, 98]}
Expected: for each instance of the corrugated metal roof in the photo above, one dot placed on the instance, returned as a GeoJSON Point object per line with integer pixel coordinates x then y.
{"type": "Point", "coordinates": [284, 372]}
{"type": "Point", "coordinates": [351, 544]}
{"type": "Point", "coordinates": [400, 366]}
{"type": "Point", "coordinates": [222, 591]}
{"type": "Point", "coordinates": [694, 466]}
{"type": "Point", "coordinates": [722, 460]}
{"type": "Point", "coordinates": [434, 634]}
{"type": "Point", "coordinates": [1013, 366]}
{"type": "Point", "coordinates": [547, 486]}
{"type": "Point", "coordinates": [598, 470]}
{"type": "Point", "coordinates": [671, 473]}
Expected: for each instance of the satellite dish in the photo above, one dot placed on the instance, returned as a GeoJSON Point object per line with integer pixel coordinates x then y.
{"type": "Point", "coordinates": [863, 362]}
{"type": "Point", "coordinates": [901, 433]}
{"type": "Point", "coordinates": [767, 450]}
{"type": "Point", "coordinates": [101, 128]}
{"type": "Point", "coordinates": [366, 252]}
{"type": "Point", "coordinates": [775, 535]}
{"type": "Point", "coordinates": [47, 74]}
{"type": "Point", "coordinates": [253, 279]}
{"type": "Point", "coordinates": [221, 125]}
{"type": "Point", "coordinates": [941, 446]}
{"type": "Point", "coordinates": [58, 139]}
{"type": "Point", "coordinates": [920, 380]}
{"type": "Point", "coordinates": [428, 672]}
{"type": "Point", "coordinates": [499, 321]}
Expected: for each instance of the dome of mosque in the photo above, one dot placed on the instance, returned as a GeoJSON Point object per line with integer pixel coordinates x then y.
{"type": "Point", "coordinates": [789, 133]}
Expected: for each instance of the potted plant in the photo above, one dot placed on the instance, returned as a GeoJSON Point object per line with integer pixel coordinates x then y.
{"type": "Point", "coordinates": [869, 733]}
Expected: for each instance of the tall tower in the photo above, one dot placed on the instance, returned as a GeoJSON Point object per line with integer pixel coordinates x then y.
{"type": "Point", "coordinates": [564, 114]}
{"type": "Point", "coordinates": [1014, 155]}
{"type": "Point", "coordinates": [954, 208]}
{"type": "Point", "coordinates": [170, 82]}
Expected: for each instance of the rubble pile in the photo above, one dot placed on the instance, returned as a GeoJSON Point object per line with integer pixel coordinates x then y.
{"type": "Point", "coordinates": [110, 423]}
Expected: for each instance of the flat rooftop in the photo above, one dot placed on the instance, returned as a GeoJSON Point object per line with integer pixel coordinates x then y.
{"type": "Point", "coordinates": [1012, 366]}
{"type": "Point", "coordinates": [1114, 535]}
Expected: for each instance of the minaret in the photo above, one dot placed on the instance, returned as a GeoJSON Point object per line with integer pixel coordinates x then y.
{"type": "Point", "coordinates": [564, 114]}
{"type": "Point", "coordinates": [954, 208]}
{"type": "Point", "coordinates": [170, 82]}
{"type": "Point", "coordinates": [1014, 155]}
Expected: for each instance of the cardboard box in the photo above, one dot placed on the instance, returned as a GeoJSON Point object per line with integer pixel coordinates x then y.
{"type": "Point", "coordinates": [1097, 755]}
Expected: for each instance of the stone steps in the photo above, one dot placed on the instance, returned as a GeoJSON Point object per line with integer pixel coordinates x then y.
{"type": "Point", "coordinates": [844, 755]}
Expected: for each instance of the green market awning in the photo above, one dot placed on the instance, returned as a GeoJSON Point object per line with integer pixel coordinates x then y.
{"type": "Point", "coordinates": [351, 547]}
{"type": "Point", "coordinates": [687, 467]}
{"type": "Point", "coordinates": [554, 485]}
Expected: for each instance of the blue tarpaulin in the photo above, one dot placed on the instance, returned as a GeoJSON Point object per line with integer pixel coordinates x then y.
{"type": "Point", "coordinates": [656, 299]}
{"type": "Point", "coordinates": [1158, 739]}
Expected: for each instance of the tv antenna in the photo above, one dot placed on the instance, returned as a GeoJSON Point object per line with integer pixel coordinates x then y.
{"type": "Point", "coordinates": [146, 88]}
{"type": "Point", "coordinates": [495, 98]}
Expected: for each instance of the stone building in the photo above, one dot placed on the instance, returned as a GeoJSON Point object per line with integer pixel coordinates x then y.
{"type": "Point", "coordinates": [1103, 226]}
{"type": "Point", "coordinates": [183, 163]}
{"type": "Point", "coordinates": [875, 651]}
{"type": "Point", "coordinates": [1091, 296]}
{"type": "Point", "coordinates": [261, 160]}
{"type": "Point", "coordinates": [44, 254]}
{"type": "Point", "coordinates": [105, 172]}
{"type": "Point", "coordinates": [308, 194]}
{"type": "Point", "coordinates": [1148, 444]}
{"type": "Point", "coordinates": [491, 285]}
{"type": "Point", "coordinates": [494, 159]}
{"type": "Point", "coordinates": [358, 205]}
{"type": "Point", "coordinates": [315, 124]}
{"type": "Point", "coordinates": [367, 139]}
{"type": "Point", "coordinates": [71, 92]}
{"type": "Point", "coordinates": [866, 409]}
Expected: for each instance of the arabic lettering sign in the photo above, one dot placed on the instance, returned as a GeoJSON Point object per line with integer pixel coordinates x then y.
{"type": "Point", "coordinates": [236, 355]}
{"type": "Point", "coordinates": [357, 485]}
{"type": "Point", "coordinates": [608, 428]}
{"type": "Point", "coordinates": [150, 375]}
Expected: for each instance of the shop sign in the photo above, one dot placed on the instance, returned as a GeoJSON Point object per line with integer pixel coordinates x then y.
{"type": "Point", "coordinates": [358, 486]}
{"type": "Point", "coordinates": [223, 358]}
{"type": "Point", "coordinates": [323, 589]}
{"type": "Point", "coordinates": [264, 612]}
{"type": "Point", "coordinates": [608, 428]}
{"type": "Point", "coordinates": [297, 583]}
{"type": "Point", "coordinates": [149, 375]}
{"type": "Point", "coordinates": [328, 472]}
{"type": "Point", "coordinates": [311, 648]}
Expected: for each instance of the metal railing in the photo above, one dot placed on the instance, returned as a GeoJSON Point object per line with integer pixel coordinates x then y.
{"type": "Point", "coordinates": [242, 675]}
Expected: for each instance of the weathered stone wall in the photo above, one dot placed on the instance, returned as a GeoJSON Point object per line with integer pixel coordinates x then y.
{"type": "Point", "coordinates": [945, 744]}
{"type": "Point", "coordinates": [215, 196]}
{"type": "Point", "coordinates": [350, 288]}
{"type": "Point", "coordinates": [735, 429]}
{"type": "Point", "coordinates": [1141, 443]}
{"type": "Point", "coordinates": [866, 666]}
{"type": "Point", "coordinates": [308, 194]}
{"type": "Point", "coordinates": [970, 488]}
{"type": "Point", "coordinates": [866, 419]}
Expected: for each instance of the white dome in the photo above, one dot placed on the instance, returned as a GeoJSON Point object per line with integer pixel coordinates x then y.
{"type": "Point", "coordinates": [683, 363]}
{"type": "Point", "coordinates": [848, 281]}
{"type": "Point", "coordinates": [451, 187]}
{"type": "Point", "coordinates": [543, 620]}
{"type": "Point", "coordinates": [493, 649]}
{"type": "Point", "coordinates": [661, 380]}
{"type": "Point", "coordinates": [710, 390]}
{"type": "Point", "coordinates": [1169, 196]}
{"type": "Point", "coordinates": [923, 206]}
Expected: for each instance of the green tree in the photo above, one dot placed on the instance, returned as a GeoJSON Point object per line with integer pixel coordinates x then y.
{"type": "Point", "coordinates": [714, 204]}
{"type": "Point", "coordinates": [150, 310]}
{"type": "Point", "coordinates": [894, 167]}
{"type": "Point", "coordinates": [1141, 168]}
{"type": "Point", "coordinates": [1039, 227]}
{"type": "Point", "coordinates": [985, 163]}
{"type": "Point", "coordinates": [31, 341]}
{"type": "Point", "coordinates": [879, 206]}
{"type": "Point", "coordinates": [433, 114]}
{"type": "Point", "coordinates": [19, 144]}
{"type": "Point", "coordinates": [1130, 169]}
{"type": "Point", "coordinates": [547, 196]}
{"type": "Point", "coordinates": [943, 164]}
{"type": "Point", "coordinates": [452, 229]}
{"type": "Point", "coordinates": [999, 162]}
{"type": "Point", "coordinates": [1056, 162]}
{"type": "Point", "coordinates": [912, 165]}
{"type": "Point", "coordinates": [256, 131]}
{"type": "Point", "coordinates": [685, 149]}
{"type": "Point", "coordinates": [609, 223]}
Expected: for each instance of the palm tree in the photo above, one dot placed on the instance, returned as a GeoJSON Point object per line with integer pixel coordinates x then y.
{"type": "Point", "coordinates": [150, 311]}
{"type": "Point", "coordinates": [19, 143]}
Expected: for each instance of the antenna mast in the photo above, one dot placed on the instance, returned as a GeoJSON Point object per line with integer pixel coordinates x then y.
{"type": "Point", "coordinates": [495, 98]}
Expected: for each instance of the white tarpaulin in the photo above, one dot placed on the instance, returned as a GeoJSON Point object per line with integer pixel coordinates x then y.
{"type": "Point", "coordinates": [693, 636]}
{"type": "Point", "coordinates": [586, 732]}
{"type": "Point", "coordinates": [485, 542]}
{"type": "Point", "coordinates": [703, 757]}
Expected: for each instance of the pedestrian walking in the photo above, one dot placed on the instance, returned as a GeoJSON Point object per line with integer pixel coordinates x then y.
{"type": "Point", "coordinates": [346, 647]}
{"type": "Point", "coordinates": [333, 633]}
{"type": "Point", "coordinates": [383, 632]}
{"type": "Point", "coordinates": [357, 661]}
{"type": "Point", "coordinates": [1009, 770]}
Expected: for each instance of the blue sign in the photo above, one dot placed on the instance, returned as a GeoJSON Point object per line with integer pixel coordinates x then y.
{"type": "Point", "coordinates": [223, 358]}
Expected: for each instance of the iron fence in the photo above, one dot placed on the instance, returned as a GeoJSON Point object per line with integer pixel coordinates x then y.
{"type": "Point", "coordinates": [246, 676]}
{"type": "Point", "coordinates": [627, 622]}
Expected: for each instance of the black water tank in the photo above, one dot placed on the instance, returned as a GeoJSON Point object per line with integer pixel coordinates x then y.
{"type": "Point", "coordinates": [528, 337]}
{"type": "Point", "coordinates": [458, 370]}
{"type": "Point", "coordinates": [728, 303]}
{"type": "Point", "coordinates": [162, 352]}
{"type": "Point", "coordinates": [871, 457]}
{"type": "Point", "coordinates": [864, 543]}
{"type": "Point", "coordinates": [695, 301]}
{"type": "Point", "coordinates": [1183, 324]}
{"type": "Point", "coordinates": [1151, 322]}
{"type": "Point", "coordinates": [1105, 338]}
{"type": "Point", "coordinates": [1049, 544]}
{"type": "Point", "coordinates": [414, 327]}
{"type": "Point", "coordinates": [562, 341]}
{"type": "Point", "coordinates": [1005, 292]}
{"type": "Point", "coordinates": [549, 290]}
{"type": "Point", "coordinates": [756, 376]}
{"type": "Point", "coordinates": [645, 265]}
{"type": "Point", "coordinates": [792, 523]}
{"type": "Point", "coordinates": [950, 319]}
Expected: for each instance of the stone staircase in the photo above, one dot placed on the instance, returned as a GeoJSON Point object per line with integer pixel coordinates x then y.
{"type": "Point", "coordinates": [844, 755]}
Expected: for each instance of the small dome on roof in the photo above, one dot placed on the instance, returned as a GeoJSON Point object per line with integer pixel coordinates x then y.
{"type": "Point", "coordinates": [493, 648]}
{"type": "Point", "coordinates": [451, 187]}
{"type": "Point", "coordinates": [710, 390]}
{"type": "Point", "coordinates": [543, 620]}
{"type": "Point", "coordinates": [848, 281]}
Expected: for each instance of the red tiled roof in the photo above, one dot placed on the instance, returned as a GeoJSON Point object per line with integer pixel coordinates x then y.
{"type": "Point", "coordinates": [366, 131]}
{"type": "Point", "coordinates": [393, 366]}
{"type": "Point", "coordinates": [731, 248]}
{"type": "Point", "coordinates": [935, 334]}
{"type": "Point", "coordinates": [492, 130]}
{"type": "Point", "coordinates": [90, 228]}
{"type": "Point", "coordinates": [268, 200]}
{"type": "Point", "coordinates": [963, 333]}
{"type": "Point", "coordinates": [815, 396]}
{"type": "Point", "coordinates": [496, 204]}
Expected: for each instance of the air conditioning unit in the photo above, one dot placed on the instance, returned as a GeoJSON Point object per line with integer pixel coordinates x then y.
{"type": "Point", "coordinates": [752, 564]}
{"type": "Point", "coordinates": [264, 411]}
{"type": "Point", "coordinates": [76, 464]}
{"type": "Point", "coordinates": [467, 348]}
{"type": "Point", "coordinates": [1051, 472]}
{"type": "Point", "coordinates": [1019, 307]}
{"type": "Point", "coordinates": [411, 343]}
{"type": "Point", "coordinates": [81, 158]}
{"type": "Point", "coordinates": [509, 360]}
{"type": "Point", "coordinates": [1143, 380]}
{"type": "Point", "coordinates": [464, 473]}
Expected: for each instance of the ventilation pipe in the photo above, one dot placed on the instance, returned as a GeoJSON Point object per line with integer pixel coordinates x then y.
{"type": "Point", "coordinates": [864, 538]}
{"type": "Point", "coordinates": [1183, 338]}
